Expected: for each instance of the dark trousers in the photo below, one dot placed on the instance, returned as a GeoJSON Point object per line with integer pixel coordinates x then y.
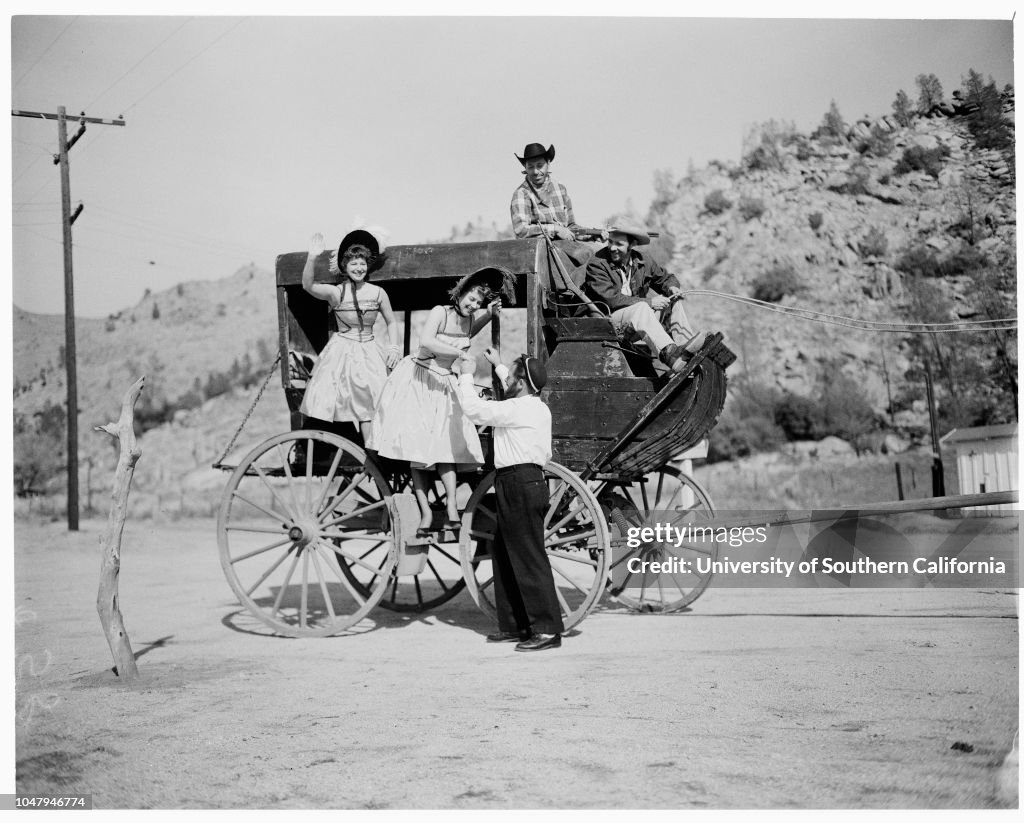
{"type": "Point", "coordinates": [524, 589]}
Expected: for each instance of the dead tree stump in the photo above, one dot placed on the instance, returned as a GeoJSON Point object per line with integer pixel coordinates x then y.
{"type": "Point", "coordinates": [107, 603]}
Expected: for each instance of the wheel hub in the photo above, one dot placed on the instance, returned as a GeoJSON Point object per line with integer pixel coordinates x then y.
{"type": "Point", "coordinates": [303, 532]}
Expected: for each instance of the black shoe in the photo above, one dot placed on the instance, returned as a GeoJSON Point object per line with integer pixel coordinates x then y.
{"type": "Point", "coordinates": [539, 642]}
{"type": "Point", "coordinates": [674, 356]}
{"type": "Point", "coordinates": [507, 637]}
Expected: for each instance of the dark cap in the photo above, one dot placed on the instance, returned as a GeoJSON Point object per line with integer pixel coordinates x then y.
{"type": "Point", "coordinates": [534, 372]}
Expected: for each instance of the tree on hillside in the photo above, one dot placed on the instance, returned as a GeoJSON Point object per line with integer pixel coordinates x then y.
{"type": "Point", "coordinates": [832, 127]}
{"type": "Point", "coordinates": [39, 448]}
{"type": "Point", "coordinates": [930, 93]}
{"type": "Point", "coordinates": [763, 147]}
{"type": "Point", "coordinates": [985, 118]}
{"type": "Point", "coordinates": [902, 108]}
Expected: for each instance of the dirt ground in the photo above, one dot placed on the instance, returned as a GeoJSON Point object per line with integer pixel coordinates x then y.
{"type": "Point", "coordinates": [764, 699]}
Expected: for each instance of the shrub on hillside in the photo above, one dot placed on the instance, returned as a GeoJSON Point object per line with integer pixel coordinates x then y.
{"type": "Point", "coordinates": [858, 179]}
{"type": "Point", "coordinates": [903, 109]}
{"type": "Point", "coordinates": [39, 449]}
{"type": "Point", "coordinates": [873, 244]}
{"type": "Point", "coordinates": [736, 437]}
{"type": "Point", "coordinates": [878, 144]}
{"type": "Point", "coordinates": [750, 207]}
{"type": "Point", "coordinates": [918, 261]}
{"type": "Point", "coordinates": [814, 220]}
{"type": "Point", "coordinates": [964, 259]}
{"type": "Point", "coordinates": [716, 202]}
{"type": "Point", "coordinates": [774, 284]}
{"type": "Point", "coordinates": [746, 426]}
{"type": "Point", "coordinates": [921, 261]}
{"type": "Point", "coordinates": [917, 158]}
{"type": "Point", "coordinates": [764, 146]}
{"type": "Point", "coordinates": [799, 417]}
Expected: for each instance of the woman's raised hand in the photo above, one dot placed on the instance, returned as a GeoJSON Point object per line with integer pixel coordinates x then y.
{"type": "Point", "coordinates": [495, 306]}
{"type": "Point", "coordinates": [316, 244]}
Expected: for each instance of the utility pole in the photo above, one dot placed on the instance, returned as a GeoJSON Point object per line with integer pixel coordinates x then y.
{"type": "Point", "coordinates": [70, 360]}
{"type": "Point", "coordinates": [938, 479]}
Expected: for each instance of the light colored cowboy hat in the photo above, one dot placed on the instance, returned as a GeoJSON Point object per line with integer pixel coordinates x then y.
{"type": "Point", "coordinates": [535, 150]}
{"type": "Point", "coordinates": [638, 233]}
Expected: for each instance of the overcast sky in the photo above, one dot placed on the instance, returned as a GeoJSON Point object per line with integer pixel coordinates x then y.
{"type": "Point", "coordinates": [246, 134]}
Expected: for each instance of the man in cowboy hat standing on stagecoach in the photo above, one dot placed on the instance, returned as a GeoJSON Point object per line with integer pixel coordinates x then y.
{"type": "Point", "coordinates": [641, 295]}
{"type": "Point", "coordinates": [540, 205]}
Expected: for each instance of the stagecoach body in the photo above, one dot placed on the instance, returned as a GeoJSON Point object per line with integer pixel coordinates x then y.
{"type": "Point", "coordinates": [342, 516]}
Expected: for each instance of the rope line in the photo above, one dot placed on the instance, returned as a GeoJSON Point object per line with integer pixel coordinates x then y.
{"type": "Point", "coordinates": [1000, 324]}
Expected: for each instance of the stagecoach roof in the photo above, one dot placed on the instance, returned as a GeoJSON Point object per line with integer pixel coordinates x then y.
{"type": "Point", "coordinates": [429, 260]}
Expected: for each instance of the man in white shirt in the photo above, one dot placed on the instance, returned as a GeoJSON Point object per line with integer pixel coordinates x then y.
{"type": "Point", "coordinates": [524, 588]}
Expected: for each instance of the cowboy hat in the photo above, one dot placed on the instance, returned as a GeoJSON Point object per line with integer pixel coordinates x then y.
{"type": "Point", "coordinates": [496, 279]}
{"type": "Point", "coordinates": [637, 233]}
{"type": "Point", "coordinates": [535, 150]}
{"type": "Point", "coordinates": [360, 237]}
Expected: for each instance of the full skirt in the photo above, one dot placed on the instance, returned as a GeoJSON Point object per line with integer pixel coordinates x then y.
{"type": "Point", "coordinates": [419, 419]}
{"type": "Point", "coordinates": [346, 381]}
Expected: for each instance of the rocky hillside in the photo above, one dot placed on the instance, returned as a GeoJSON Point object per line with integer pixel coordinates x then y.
{"type": "Point", "coordinates": [830, 226]}
{"type": "Point", "coordinates": [882, 222]}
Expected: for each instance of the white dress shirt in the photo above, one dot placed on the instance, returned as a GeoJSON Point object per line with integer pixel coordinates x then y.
{"type": "Point", "coordinates": [522, 425]}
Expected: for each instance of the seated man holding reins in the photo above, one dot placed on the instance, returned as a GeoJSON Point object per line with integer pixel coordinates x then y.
{"type": "Point", "coordinates": [640, 294]}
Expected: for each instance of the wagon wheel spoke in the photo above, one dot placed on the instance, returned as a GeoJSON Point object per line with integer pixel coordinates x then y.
{"type": "Point", "coordinates": [328, 481]}
{"type": "Point", "coordinates": [574, 558]}
{"type": "Point", "coordinates": [270, 546]}
{"type": "Point", "coordinates": [556, 501]}
{"type": "Point", "coordinates": [356, 593]}
{"type": "Point", "coordinates": [273, 515]}
{"type": "Point", "coordinates": [571, 538]}
{"type": "Point", "coordinates": [291, 484]}
{"type": "Point", "coordinates": [342, 496]}
{"type": "Point", "coordinates": [279, 489]}
{"type": "Point", "coordinates": [290, 513]}
{"type": "Point", "coordinates": [323, 583]}
{"type": "Point", "coordinates": [284, 586]}
{"type": "Point", "coordinates": [269, 572]}
{"type": "Point", "coordinates": [378, 504]}
{"type": "Point", "coordinates": [437, 577]}
{"type": "Point", "coordinates": [569, 580]}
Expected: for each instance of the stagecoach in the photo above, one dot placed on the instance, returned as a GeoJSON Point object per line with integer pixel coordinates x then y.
{"type": "Point", "coordinates": [314, 531]}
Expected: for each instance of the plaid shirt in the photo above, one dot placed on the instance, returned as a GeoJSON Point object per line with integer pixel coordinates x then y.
{"type": "Point", "coordinates": [549, 204]}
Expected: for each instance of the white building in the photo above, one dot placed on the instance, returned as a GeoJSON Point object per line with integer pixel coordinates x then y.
{"type": "Point", "coordinates": [986, 461]}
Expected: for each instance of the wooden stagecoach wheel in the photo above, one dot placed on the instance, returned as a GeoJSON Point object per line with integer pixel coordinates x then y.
{"type": "Point", "coordinates": [670, 497]}
{"type": "Point", "coordinates": [299, 508]}
{"type": "Point", "coordinates": [576, 538]}
{"type": "Point", "coordinates": [439, 581]}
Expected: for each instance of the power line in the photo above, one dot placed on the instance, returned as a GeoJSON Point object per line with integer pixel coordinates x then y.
{"type": "Point", "coordinates": [186, 63]}
{"type": "Point", "coordinates": [138, 62]}
{"type": "Point", "coordinates": [45, 52]}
